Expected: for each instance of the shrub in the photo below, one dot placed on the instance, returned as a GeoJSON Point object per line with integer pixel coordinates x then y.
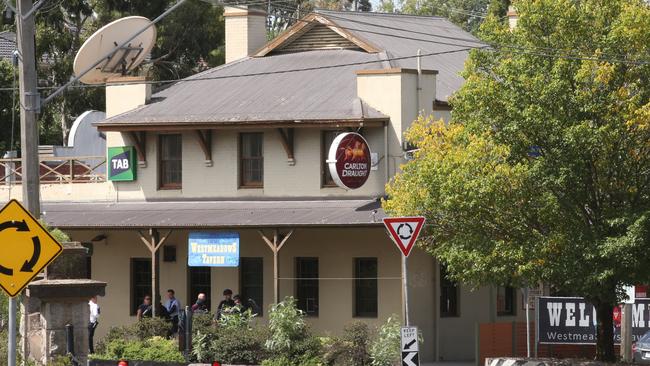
{"type": "Point", "coordinates": [385, 350]}
{"type": "Point", "coordinates": [349, 350]}
{"type": "Point", "coordinates": [61, 361]}
{"type": "Point", "coordinates": [202, 322]}
{"type": "Point", "coordinates": [236, 320]}
{"type": "Point", "coordinates": [290, 337]}
{"type": "Point", "coordinates": [138, 331]}
{"type": "Point", "coordinates": [58, 234]}
{"type": "Point", "coordinates": [152, 349]}
{"type": "Point", "coordinates": [357, 336]}
{"type": "Point", "coordinates": [334, 350]}
{"type": "Point", "coordinates": [233, 341]}
{"type": "Point", "coordinates": [301, 361]}
{"type": "Point", "coordinates": [240, 347]}
{"type": "Point", "coordinates": [4, 343]}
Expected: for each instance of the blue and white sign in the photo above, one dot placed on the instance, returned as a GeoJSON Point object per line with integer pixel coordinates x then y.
{"type": "Point", "coordinates": [213, 249]}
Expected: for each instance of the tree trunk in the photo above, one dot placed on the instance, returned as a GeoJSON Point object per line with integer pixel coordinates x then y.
{"type": "Point", "coordinates": [605, 333]}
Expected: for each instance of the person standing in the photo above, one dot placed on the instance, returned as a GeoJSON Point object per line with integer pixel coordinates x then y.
{"type": "Point", "coordinates": [93, 323]}
{"type": "Point", "coordinates": [200, 306]}
{"type": "Point", "coordinates": [144, 310]}
{"type": "Point", "coordinates": [173, 307]}
{"type": "Point", "coordinates": [226, 303]}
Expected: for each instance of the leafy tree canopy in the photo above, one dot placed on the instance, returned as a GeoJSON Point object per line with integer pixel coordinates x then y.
{"type": "Point", "coordinates": [468, 14]}
{"type": "Point", "coordinates": [189, 40]}
{"type": "Point", "coordinates": [543, 175]}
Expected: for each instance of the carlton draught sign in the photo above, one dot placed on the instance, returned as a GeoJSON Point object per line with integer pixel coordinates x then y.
{"type": "Point", "coordinates": [572, 320]}
{"type": "Point", "coordinates": [349, 160]}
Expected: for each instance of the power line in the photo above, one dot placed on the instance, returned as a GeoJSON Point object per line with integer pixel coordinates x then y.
{"type": "Point", "coordinates": [485, 46]}
{"type": "Point", "coordinates": [192, 79]}
{"type": "Point", "coordinates": [612, 57]}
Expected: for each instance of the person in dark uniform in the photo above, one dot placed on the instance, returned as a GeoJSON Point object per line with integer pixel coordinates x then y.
{"type": "Point", "coordinates": [226, 303]}
{"type": "Point", "coordinates": [172, 308]}
{"type": "Point", "coordinates": [145, 310]}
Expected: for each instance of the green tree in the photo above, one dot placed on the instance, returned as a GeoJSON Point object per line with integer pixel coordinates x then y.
{"type": "Point", "coordinates": [188, 41]}
{"type": "Point", "coordinates": [61, 29]}
{"type": "Point", "coordinates": [468, 14]}
{"type": "Point", "coordinates": [543, 174]}
{"type": "Point", "coordinates": [6, 106]}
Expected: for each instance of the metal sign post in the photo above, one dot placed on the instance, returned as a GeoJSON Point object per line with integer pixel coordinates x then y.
{"type": "Point", "coordinates": [11, 360]}
{"type": "Point", "coordinates": [526, 298]}
{"type": "Point", "coordinates": [406, 291]}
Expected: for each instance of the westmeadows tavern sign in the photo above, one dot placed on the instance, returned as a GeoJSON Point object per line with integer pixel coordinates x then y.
{"type": "Point", "coordinates": [572, 320]}
{"type": "Point", "coordinates": [213, 249]}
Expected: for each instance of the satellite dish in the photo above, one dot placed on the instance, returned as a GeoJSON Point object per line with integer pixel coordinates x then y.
{"type": "Point", "coordinates": [107, 39]}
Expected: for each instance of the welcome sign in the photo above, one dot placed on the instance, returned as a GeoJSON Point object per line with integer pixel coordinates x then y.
{"type": "Point", "coordinates": [213, 249]}
{"type": "Point", "coordinates": [121, 165]}
{"type": "Point", "coordinates": [572, 320]}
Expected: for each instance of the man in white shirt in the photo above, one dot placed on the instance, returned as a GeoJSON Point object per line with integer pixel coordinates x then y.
{"type": "Point", "coordinates": [92, 324]}
{"type": "Point", "coordinates": [173, 307]}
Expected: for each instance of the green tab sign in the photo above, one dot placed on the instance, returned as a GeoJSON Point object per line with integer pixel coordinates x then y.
{"type": "Point", "coordinates": [121, 163]}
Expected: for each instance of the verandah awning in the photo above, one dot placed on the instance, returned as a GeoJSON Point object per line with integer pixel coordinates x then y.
{"type": "Point", "coordinates": [215, 214]}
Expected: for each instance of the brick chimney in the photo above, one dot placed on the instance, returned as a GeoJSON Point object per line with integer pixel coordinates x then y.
{"type": "Point", "coordinates": [245, 31]}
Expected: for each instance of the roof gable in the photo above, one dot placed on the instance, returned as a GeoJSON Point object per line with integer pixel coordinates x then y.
{"type": "Point", "coordinates": [319, 37]}
{"type": "Point", "coordinates": [315, 32]}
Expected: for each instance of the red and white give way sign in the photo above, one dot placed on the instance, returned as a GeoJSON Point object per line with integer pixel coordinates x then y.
{"type": "Point", "coordinates": [404, 231]}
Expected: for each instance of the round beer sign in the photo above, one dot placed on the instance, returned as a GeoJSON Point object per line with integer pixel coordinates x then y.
{"type": "Point", "coordinates": [349, 160]}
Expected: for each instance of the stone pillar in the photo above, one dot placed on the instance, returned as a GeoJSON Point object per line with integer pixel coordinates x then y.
{"type": "Point", "coordinates": [61, 298]}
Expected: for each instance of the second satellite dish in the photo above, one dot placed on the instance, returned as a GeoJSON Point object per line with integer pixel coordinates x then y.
{"type": "Point", "coordinates": [107, 39]}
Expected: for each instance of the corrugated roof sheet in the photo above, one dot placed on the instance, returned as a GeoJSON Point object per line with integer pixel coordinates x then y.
{"type": "Point", "coordinates": [402, 35]}
{"type": "Point", "coordinates": [241, 91]}
{"type": "Point", "coordinates": [228, 96]}
{"type": "Point", "coordinates": [214, 214]}
{"type": "Point", "coordinates": [7, 44]}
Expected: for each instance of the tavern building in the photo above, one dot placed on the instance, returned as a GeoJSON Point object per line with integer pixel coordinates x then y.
{"type": "Point", "coordinates": [242, 148]}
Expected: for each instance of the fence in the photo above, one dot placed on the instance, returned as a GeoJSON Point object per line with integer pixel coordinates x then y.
{"type": "Point", "coordinates": [58, 169]}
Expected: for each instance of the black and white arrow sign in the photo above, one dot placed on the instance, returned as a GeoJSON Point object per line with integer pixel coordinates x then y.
{"type": "Point", "coordinates": [410, 359]}
{"type": "Point", "coordinates": [410, 347]}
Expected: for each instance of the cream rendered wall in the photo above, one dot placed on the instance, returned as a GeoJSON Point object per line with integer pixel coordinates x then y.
{"type": "Point", "coordinates": [394, 92]}
{"type": "Point", "coordinates": [457, 335]}
{"type": "Point", "coordinates": [336, 249]}
{"type": "Point", "coordinates": [65, 192]}
{"type": "Point", "coordinates": [221, 180]}
{"type": "Point", "coordinates": [422, 285]}
{"type": "Point", "coordinates": [122, 97]}
{"type": "Point", "coordinates": [445, 115]}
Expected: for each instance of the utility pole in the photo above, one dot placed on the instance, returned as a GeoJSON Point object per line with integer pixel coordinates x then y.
{"type": "Point", "coordinates": [29, 106]}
